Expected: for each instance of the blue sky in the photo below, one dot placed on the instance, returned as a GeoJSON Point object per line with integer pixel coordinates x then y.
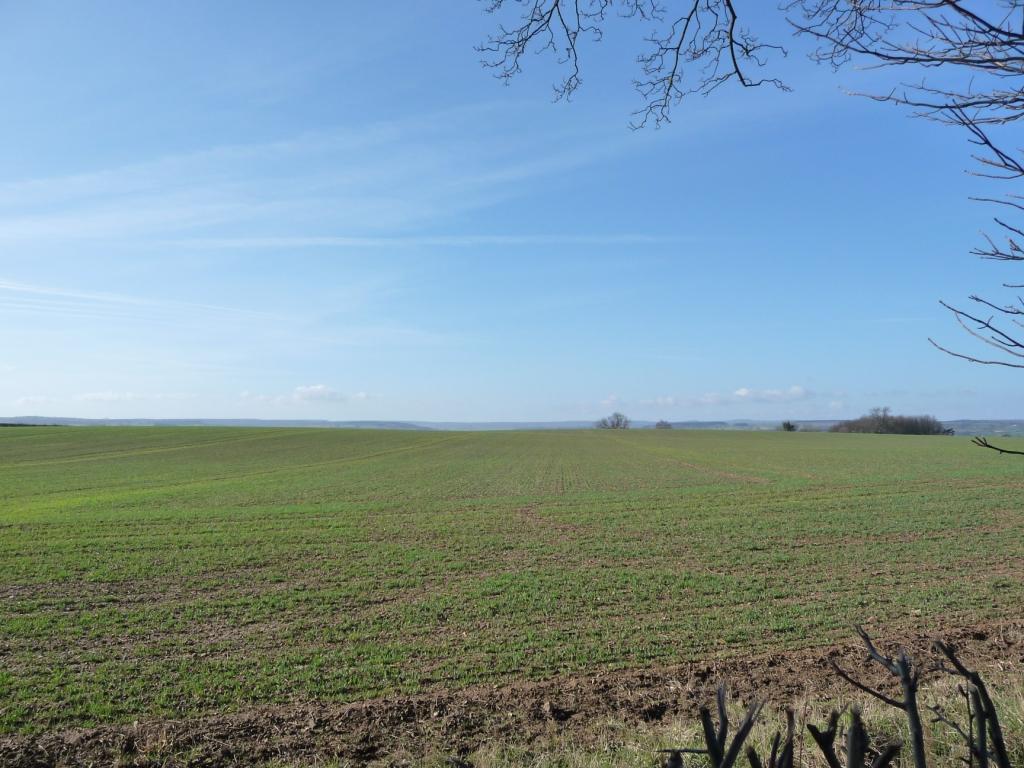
{"type": "Point", "coordinates": [258, 210]}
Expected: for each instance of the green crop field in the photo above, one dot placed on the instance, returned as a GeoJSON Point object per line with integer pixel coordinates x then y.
{"type": "Point", "coordinates": [149, 573]}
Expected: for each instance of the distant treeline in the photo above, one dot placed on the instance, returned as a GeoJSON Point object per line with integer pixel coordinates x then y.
{"type": "Point", "coordinates": [882, 422]}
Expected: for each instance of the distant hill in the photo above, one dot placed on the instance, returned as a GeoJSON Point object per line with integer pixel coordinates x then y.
{"type": "Point", "coordinates": [969, 427]}
{"type": "Point", "coordinates": [1005, 427]}
{"type": "Point", "coordinates": [484, 426]}
{"type": "Point", "coordinates": [751, 424]}
{"type": "Point", "coordinates": [297, 423]}
{"type": "Point", "coordinates": [701, 425]}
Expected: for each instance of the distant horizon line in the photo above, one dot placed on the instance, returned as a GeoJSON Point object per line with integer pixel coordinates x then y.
{"type": "Point", "coordinates": [34, 420]}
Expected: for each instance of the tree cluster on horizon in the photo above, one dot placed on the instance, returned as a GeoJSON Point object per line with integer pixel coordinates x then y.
{"type": "Point", "coordinates": [615, 421]}
{"type": "Point", "coordinates": [881, 421]}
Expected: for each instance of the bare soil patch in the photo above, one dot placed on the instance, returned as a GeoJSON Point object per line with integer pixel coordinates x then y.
{"type": "Point", "coordinates": [531, 515]}
{"type": "Point", "coordinates": [398, 729]}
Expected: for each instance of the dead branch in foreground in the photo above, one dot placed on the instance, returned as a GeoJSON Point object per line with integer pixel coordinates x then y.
{"type": "Point", "coordinates": [982, 734]}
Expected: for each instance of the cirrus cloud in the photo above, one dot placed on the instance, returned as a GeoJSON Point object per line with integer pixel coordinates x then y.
{"type": "Point", "coordinates": [788, 395]}
{"type": "Point", "coordinates": [308, 393]}
{"type": "Point", "coordinates": [791, 394]}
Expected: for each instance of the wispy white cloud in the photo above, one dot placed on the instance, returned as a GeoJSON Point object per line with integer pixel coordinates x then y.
{"type": "Point", "coordinates": [415, 241]}
{"type": "Point", "coordinates": [787, 395]}
{"type": "Point", "coordinates": [29, 401]}
{"type": "Point", "coordinates": [27, 297]}
{"type": "Point", "coordinates": [128, 397]}
{"type": "Point", "coordinates": [241, 324]}
{"type": "Point", "coordinates": [307, 393]}
{"type": "Point", "coordinates": [662, 401]}
{"type": "Point", "coordinates": [323, 393]}
{"type": "Point", "coordinates": [379, 177]}
{"type": "Point", "coordinates": [377, 336]}
{"type": "Point", "coordinates": [792, 394]}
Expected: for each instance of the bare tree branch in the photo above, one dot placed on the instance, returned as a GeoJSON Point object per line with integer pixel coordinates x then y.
{"type": "Point", "coordinates": [964, 60]}
{"type": "Point", "coordinates": [694, 51]}
{"type": "Point", "coordinates": [986, 711]}
{"type": "Point", "coordinates": [984, 443]}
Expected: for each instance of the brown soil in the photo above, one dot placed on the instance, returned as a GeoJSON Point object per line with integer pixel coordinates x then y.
{"type": "Point", "coordinates": [457, 722]}
{"type": "Point", "coordinates": [531, 515]}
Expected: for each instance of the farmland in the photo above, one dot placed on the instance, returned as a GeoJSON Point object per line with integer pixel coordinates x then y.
{"type": "Point", "coordinates": [177, 572]}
